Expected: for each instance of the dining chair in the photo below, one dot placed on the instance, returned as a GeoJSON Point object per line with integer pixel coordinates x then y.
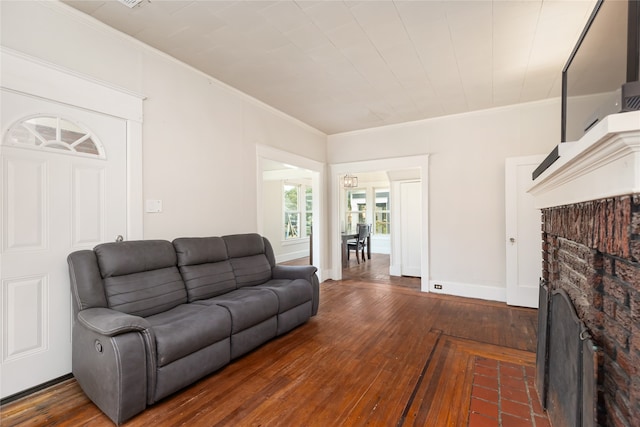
{"type": "Point", "coordinates": [359, 243]}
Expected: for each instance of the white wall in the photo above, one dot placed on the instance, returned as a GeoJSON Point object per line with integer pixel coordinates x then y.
{"type": "Point", "coordinates": [199, 136]}
{"type": "Point", "coordinates": [466, 181]}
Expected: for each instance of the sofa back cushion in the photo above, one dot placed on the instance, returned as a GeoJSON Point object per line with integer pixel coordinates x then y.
{"type": "Point", "coordinates": [141, 277]}
{"type": "Point", "coordinates": [205, 266]}
{"type": "Point", "coordinates": [248, 258]}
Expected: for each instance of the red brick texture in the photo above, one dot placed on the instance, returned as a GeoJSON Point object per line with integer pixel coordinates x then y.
{"type": "Point", "coordinates": [592, 251]}
{"type": "Point", "coordinates": [504, 395]}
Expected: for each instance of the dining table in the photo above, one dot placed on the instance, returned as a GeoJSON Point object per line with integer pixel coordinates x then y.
{"type": "Point", "coordinates": [350, 236]}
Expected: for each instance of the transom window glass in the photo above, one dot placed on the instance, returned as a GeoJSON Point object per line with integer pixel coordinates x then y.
{"type": "Point", "coordinates": [53, 133]}
{"type": "Point", "coordinates": [298, 206]}
{"type": "Point", "coordinates": [382, 211]}
{"type": "Point", "coordinates": [356, 212]}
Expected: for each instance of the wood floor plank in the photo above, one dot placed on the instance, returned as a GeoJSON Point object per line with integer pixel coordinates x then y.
{"type": "Point", "coordinates": [358, 362]}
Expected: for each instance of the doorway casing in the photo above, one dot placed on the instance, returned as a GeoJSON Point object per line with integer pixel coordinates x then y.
{"type": "Point", "coordinates": [317, 179]}
{"type": "Point", "coordinates": [394, 168]}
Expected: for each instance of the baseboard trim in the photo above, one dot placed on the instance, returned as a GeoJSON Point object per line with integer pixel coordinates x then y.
{"type": "Point", "coordinates": [35, 389]}
{"type": "Point", "coordinates": [490, 293]}
{"type": "Point", "coordinates": [290, 256]}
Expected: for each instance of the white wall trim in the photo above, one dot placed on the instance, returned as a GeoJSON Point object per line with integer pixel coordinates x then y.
{"type": "Point", "coordinates": [466, 290]}
{"type": "Point", "coordinates": [28, 75]}
{"type": "Point", "coordinates": [420, 162]}
{"type": "Point", "coordinates": [135, 188]}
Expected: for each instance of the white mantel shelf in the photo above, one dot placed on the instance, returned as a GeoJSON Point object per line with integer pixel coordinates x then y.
{"type": "Point", "coordinates": [604, 163]}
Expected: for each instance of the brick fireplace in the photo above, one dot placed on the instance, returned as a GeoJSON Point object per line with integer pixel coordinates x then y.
{"type": "Point", "coordinates": [590, 202]}
{"type": "Point", "coordinates": [592, 252]}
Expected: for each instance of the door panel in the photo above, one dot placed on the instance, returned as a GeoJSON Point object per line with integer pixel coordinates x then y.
{"type": "Point", "coordinates": [24, 197]}
{"type": "Point", "coordinates": [54, 201]}
{"type": "Point", "coordinates": [88, 205]}
{"type": "Point", "coordinates": [411, 223]}
{"type": "Point", "coordinates": [523, 233]}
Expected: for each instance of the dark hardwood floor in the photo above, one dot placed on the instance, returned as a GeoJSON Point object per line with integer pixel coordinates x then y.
{"type": "Point", "coordinates": [378, 353]}
{"type": "Point", "coordinates": [374, 270]}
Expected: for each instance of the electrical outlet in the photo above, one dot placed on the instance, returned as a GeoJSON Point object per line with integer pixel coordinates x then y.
{"type": "Point", "coordinates": [437, 286]}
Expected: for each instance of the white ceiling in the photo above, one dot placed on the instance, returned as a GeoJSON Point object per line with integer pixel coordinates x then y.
{"type": "Point", "coordinates": [345, 65]}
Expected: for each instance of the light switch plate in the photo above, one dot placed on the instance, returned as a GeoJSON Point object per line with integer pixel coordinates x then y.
{"type": "Point", "coordinates": [153, 206]}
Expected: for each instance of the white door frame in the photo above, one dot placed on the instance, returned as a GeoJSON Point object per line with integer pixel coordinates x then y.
{"type": "Point", "coordinates": [389, 165]}
{"type": "Point", "coordinates": [317, 186]}
{"type": "Point", "coordinates": [33, 76]}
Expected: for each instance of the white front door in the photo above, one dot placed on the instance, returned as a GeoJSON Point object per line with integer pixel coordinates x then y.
{"type": "Point", "coordinates": [411, 228]}
{"type": "Point", "coordinates": [63, 187]}
{"type": "Point", "coordinates": [523, 233]}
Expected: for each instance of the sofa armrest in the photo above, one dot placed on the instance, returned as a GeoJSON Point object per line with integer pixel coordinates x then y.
{"type": "Point", "coordinates": [307, 272]}
{"type": "Point", "coordinates": [293, 272]}
{"type": "Point", "coordinates": [107, 322]}
{"type": "Point", "coordinates": [113, 371]}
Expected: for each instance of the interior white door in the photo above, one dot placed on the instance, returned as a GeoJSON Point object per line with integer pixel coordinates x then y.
{"type": "Point", "coordinates": [63, 189]}
{"type": "Point", "coordinates": [411, 224]}
{"type": "Point", "coordinates": [523, 232]}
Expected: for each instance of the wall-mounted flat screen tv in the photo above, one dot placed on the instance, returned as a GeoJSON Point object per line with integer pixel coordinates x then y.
{"type": "Point", "coordinates": [601, 75]}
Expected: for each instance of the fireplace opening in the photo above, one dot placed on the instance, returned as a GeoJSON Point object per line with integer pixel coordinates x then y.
{"type": "Point", "coordinates": [566, 361]}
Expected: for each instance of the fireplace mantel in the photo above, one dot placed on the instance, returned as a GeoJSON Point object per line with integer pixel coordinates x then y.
{"type": "Point", "coordinates": [604, 163]}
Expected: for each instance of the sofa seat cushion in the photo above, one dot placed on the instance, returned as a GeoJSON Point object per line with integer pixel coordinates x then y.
{"type": "Point", "coordinates": [290, 293]}
{"type": "Point", "coordinates": [247, 307]}
{"type": "Point", "coordinates": [188, 328]}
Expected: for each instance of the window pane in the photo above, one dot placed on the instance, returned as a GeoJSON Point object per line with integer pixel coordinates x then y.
{"type": "Point", "coordinates": [291, 225]}
{"type": "Point", "coordinates": [49, 132]}
{"type": "Point", "coordinates": [382, 223]}
{"type": "Point", "coordinates": [362, 218]}
{"type": "Point", "coordinates": [356, 200]}
{"type": "Point", "coordinates": [309, 218]}
{"type": "Point", "coordinates": [290, 197]}
{"type": "Point", "coordinates": [88, 146]}
{"type": "Point", "coordinates": [350, 223]}
{"type": "Point", "coordinates": [356, 209]}
{"type": "Point", "coordinates": [308, 196]}
{"type": "Point", "coordinates": [382, 200]}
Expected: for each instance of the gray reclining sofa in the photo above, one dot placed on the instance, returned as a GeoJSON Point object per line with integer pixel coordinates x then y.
{"type": "Point", "coordinates": [153, 316]}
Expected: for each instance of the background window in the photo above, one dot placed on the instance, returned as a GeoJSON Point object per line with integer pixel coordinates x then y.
{"type": "Point", "coordinates": [356, 212]}
{"type": "Point", "coordinates": [298, 205]}
{"type": "Point", "coordinates": [308, 198]}
{"type": "Point", "coordinates": [382, 211]}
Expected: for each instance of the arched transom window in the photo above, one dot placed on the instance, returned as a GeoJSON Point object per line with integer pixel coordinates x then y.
{"type": "Point", "coordinates": [54, 133]}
